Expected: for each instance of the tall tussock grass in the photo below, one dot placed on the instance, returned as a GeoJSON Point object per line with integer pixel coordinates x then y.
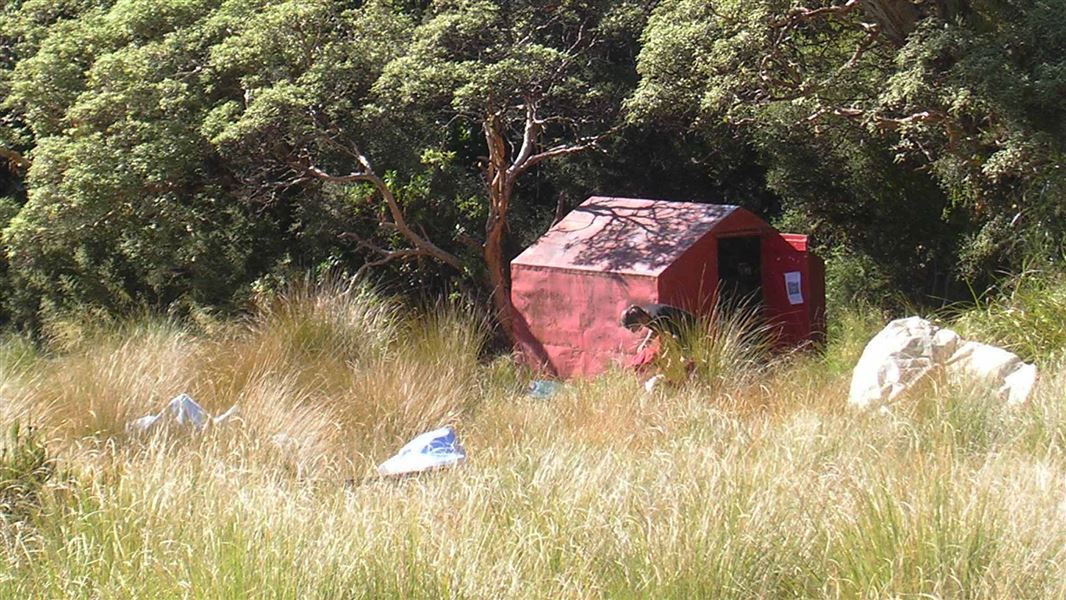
{"type": "Point", "coordinates": [730, 346]}
{"type": "Point", "coordinates": [751, 480]}
{"type": "Point", "coordinates": [333, 319]}
{"type": "Point", "coordinates": [1025, 314]}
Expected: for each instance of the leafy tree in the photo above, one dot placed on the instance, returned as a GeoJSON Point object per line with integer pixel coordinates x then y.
{"type": "Point", "coordinates": [126, 202]}
{"type": "Point", "coordinates": [533, 80]}
{"type": "Point", "coordinates": [163, 151]}
{"type": "Point", "coordinates": [965, 93]}
{"type": "Point", "coordinates": [294, 81]}
{"type": "Point", "coordinates": [536, 80]}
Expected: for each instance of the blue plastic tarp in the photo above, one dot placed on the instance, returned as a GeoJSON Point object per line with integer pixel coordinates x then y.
{"type": "Point", "coordinates": [431, 450]}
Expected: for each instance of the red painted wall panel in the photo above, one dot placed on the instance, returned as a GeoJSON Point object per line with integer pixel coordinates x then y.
{"type": "Point", "coordinates": [567, 321]}
{"type": "Point", "coordinates": [798, 323]}
{"type": "Point", "coordinates": [816, 268]}
{"type": "Point", "coordinates": [691, 281]}
{"type": "Point", "coordinates": [779, 257]}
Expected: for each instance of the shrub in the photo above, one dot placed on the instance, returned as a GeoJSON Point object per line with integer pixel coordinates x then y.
{"type": "Point", "coordinates": [1026, 314]}
{"type": "Point", "coordinates": [729, 346]}
{"type": "Point", "coordinates": [25, 469]}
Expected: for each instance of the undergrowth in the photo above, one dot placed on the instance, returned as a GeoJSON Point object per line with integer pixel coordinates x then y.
{"type": "Point", "coordinates": [1025, 314]}
{"type": "Point", "coordinates": [752, 480]}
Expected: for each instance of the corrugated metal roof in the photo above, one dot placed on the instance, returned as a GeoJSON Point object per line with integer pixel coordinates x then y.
{"type": "Point", "coordinates": [630, 236]}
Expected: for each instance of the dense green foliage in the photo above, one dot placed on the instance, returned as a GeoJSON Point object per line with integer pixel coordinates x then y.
{"type": "Point", "coordinates": [158, 153]}
{"type": "Point", "coordinates": [932, 135]}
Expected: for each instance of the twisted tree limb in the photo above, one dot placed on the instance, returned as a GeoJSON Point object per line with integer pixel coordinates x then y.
{"type": "Point", "coordinates": [501, 173]}
{"type": "Point", "coordinates": [420, 244]}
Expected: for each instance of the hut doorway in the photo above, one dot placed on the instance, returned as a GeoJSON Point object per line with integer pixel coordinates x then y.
{"type": "Point", "coordinates": [740, 269]}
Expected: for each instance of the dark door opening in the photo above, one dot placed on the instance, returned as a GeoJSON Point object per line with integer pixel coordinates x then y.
{"type": "Point", "coordinates": [740, 270]}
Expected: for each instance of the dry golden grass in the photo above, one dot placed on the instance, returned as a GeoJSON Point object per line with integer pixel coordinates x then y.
{"type": "Point", "coordinates": [731, 486]}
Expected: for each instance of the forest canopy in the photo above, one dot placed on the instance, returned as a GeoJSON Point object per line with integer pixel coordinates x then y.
{"type": "Point", "coordinates": [181, 153]}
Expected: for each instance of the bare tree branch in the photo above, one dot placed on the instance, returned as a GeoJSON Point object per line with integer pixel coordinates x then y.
{"type": "Point", "coordinates": [801, 14]}
{"type": "Point", "coordinates": [561, 150]}
{"type": "Point", "coordinates": [889, 123]}
{"type": "Point", "coordinates": [860, 49]}
{"type": "Point", "coordinates": [529, 134]}
{"type": "Point", "coordinates": [386, 255]}
{"type": "Point", "coordinates": [422, 245]}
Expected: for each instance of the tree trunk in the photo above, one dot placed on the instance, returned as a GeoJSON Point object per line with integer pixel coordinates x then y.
{"type": "Point", "coordinates": [500, 186]}
{"type": "Point", "coordinates": [897, 18]}
{"type": "Point", "coordinates": [499, 278]}
{"type": "Point", "coordinates": [501, 173]}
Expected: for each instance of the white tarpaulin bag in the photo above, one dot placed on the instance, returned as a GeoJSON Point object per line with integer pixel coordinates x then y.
{"type": "Point", "coordinates": [431, 450]}
{"type": "Point", "coordinates": [908, 349]}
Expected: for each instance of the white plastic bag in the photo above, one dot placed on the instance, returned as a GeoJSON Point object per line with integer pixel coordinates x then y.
{"type": "Point", "coordinates": [431, 450]}
{"type": "Point", "coordinates": [182, 410]}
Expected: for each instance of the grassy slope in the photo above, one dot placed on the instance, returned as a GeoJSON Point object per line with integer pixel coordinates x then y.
{"type": "Point", "coordinates": [767, 489]}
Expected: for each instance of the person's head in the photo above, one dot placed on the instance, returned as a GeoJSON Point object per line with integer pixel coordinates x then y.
{"type": "Point", "coordinates": [635, 317]}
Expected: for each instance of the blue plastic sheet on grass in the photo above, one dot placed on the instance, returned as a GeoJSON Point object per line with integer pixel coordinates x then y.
{"type": "Point", "coordinates": [542, 389]}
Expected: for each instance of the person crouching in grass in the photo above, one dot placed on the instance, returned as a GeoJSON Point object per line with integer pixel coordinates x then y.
{"type": "Point", "coordinates": [663, 350]}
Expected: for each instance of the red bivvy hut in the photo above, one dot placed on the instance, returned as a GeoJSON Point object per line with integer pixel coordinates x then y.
{"type": "Point", "coordinates": [570, 287]}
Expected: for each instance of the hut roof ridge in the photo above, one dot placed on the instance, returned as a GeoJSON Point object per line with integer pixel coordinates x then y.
{"type": "Point", "coordinates": [634, 236]}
